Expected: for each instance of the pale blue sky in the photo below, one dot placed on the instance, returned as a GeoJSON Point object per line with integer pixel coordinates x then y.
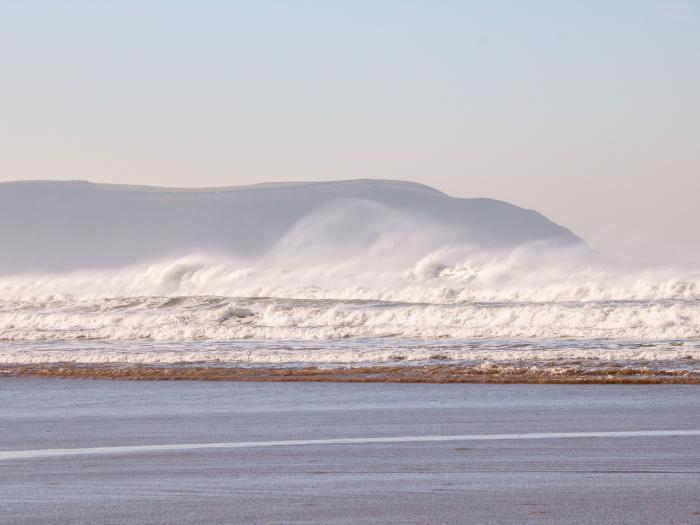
{"type": "Point", "coordinates": [588, 111]}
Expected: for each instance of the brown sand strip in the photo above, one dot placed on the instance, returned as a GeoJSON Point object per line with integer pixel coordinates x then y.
{"type": "Point", "coordinates": [378, 374]}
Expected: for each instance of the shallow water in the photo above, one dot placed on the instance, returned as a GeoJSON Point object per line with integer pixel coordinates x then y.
{"type": "Point", "coordinates": [547, 359]}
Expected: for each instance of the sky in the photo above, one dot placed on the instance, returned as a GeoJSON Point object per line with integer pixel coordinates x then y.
{"type": "Point", "coordinates": [588, 112]}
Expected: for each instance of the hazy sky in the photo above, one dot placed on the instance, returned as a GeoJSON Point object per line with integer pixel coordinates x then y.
{"type": "Point", "coordinates": [588, 111]}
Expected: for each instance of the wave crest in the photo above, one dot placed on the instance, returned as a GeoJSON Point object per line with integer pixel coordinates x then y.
{"type": "Point", "coordinates": [445, 275]}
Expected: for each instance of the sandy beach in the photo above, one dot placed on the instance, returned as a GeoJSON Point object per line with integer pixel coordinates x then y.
{"type": "Point", "coordinates": [232, 452]}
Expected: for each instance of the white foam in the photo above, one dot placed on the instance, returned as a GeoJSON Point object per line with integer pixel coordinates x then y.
{"type": "Point", "coordinates": [455, 274]}
{"type": "Point", "coordinates": [452, 292]}
{"type": "Point", "coordinates": [210, 318]}
{"type": "Point", "coordinates": [350, 352]}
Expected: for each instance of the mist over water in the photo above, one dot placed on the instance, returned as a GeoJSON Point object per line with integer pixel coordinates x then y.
{"type": "Point", "coordinates": [356, 281]}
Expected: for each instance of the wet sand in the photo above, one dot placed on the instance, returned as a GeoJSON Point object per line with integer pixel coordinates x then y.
{"type": "Point", "coordinates": [375, 471]}
{"type": "Point", "coordinates": [553, 373]}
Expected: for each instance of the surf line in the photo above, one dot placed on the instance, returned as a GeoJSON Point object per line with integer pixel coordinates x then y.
{"type": "Point", "coordinates": [140, 449]}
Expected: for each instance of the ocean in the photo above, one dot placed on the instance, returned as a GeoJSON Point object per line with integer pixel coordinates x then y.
{"type": "Point", "coordinates": [511, 318]}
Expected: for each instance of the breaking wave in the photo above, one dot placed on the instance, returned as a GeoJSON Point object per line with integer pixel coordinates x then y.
{"type": "Point", "coordinates": [341, 282]}
{"type": "Point", "coordinates": [531, 292]}
{"type": "Point", "coordinates": [220, 318]}
{"type": "Point", "coordinates": [450, 275]}
{"type": "Point", "coordinates": [383, 301]}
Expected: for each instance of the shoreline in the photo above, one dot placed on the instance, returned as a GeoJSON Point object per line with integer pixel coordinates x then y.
{"type": "Point", "coordinates": [436, 374]}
